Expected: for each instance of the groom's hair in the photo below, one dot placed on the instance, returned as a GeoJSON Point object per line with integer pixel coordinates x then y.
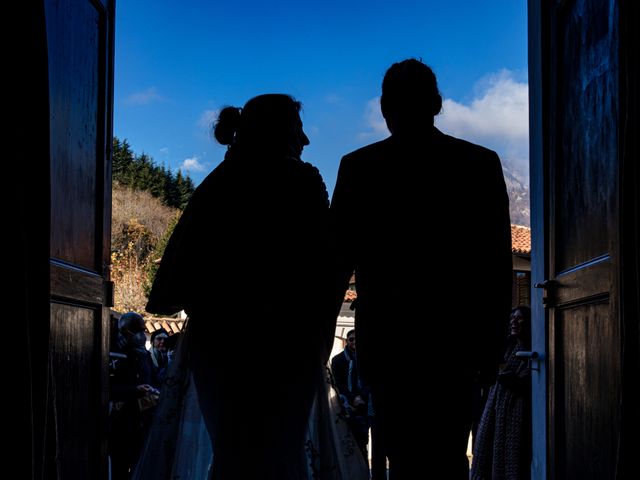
{"type": "Point", "coordinates": [410, 92]}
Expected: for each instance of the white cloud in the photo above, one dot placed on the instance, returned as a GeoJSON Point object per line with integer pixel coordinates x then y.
{"type": "Point", "coordinates": [332, 99]}
{"type": "Point", "coordinates": [498, 117]}
{"type": "Point", "coordinates": [145, 97]}
{"type": "Point", "coordinates": [164, 150]}
{"type": "Point", "coordinates": [193, 164]}
{"type": "Point", "coordinates": [377, 127]}
{"type": "Point", "coordinates": [312, 130]}
{"type": "Point", "coordinates": [207, 119]}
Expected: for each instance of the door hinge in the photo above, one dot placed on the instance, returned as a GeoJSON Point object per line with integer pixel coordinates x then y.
{"type": "Point", "coordinates": [109, 288]}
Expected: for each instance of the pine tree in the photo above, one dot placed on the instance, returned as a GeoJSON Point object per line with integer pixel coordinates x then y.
{"type": "Point", "coordinates": [141, 179]}
{"type": "Point", "coordinates": [123, 159]}
{"type": "Point", "coordinates": [141, 173]}
{"type": "Point", "coordinates": [185, 190]}
{"type": "Point", "coordinates": [170, 196]}
{"type": "Point", "coordinates": [158, 180]}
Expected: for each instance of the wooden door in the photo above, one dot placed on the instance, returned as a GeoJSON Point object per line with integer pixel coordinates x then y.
{"type": "Point", "coordinates": [577, 76]}
{"type": "Point", "coordinates": [80, 41]}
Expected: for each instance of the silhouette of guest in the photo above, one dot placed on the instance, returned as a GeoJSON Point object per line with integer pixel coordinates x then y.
{"type": "Point", "coordinates": [355, 395]}
{"type": "Point", "coordinates": [158, 353]}
{"type": "Point", "coordinates": [248, 256]}
{"type": "Point", "coordinates": [131, 378]}
{"type": "Point", "coordinates": [502, 450]}
{"type": "Point", "coordinates": [426, 214]}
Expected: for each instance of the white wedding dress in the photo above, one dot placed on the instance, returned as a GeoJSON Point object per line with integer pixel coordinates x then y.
{"type": "Point", "coordinates": [179, 447]}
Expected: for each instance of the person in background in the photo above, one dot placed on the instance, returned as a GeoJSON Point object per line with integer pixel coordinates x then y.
{"type": "Point", "coordinates": [171, 344]}
{"type": "Point", "coordinates": [355, 396]}
{"type": "Point", "coordinates": [131, 381]}
{"type": "Point", "coordinates": [502, 450]}
{"type": "Point", "coordinates": [159, 353]}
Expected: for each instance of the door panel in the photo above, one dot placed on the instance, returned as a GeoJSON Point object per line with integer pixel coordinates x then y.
{"type": "Point", "coordinates": [584, 334]}
{"type": "Point", "coordinates": [80, 40]}
{"type": "Point", "coordinates": [575, 169]}
{"type": "Point", "coordinates": [587, 394]}
{"type": "Point", "coordinates": [76, 377]}
{"type": "Point", "coordinates": [586, 164]}
{"type": "Point", "coordinates": [76, 105]}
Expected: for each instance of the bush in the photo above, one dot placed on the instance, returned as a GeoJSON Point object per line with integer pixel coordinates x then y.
{"type": "Point", "coordinates": [156, 255]}
{"type": "Point", "coordinates": [139, 227]}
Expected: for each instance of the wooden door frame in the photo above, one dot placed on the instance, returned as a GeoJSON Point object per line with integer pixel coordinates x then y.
{"type": "Point", "coordinates": [541, 38]}
{"type": "Point", "coordinates": [538, 45]}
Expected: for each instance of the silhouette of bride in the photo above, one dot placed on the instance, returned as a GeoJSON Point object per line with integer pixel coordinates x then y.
{"type": "Point", "coordinates": [249, 263]}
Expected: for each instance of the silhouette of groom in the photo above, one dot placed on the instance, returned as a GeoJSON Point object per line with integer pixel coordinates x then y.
{"type": "Point", "coordinates": [429, 231]}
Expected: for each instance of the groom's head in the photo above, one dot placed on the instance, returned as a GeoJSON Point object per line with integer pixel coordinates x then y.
{"type": "Point", "coordinates": [410, 97]}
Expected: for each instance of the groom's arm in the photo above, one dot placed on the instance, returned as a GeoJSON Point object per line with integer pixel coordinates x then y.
{"type": "Point", "coordinates": [341, 213]}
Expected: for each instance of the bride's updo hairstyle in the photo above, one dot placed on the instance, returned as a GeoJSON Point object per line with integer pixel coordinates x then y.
{"type": "Point", "coordinates": [226, 125]}
{"type": "Point", "coordinates": [266, 121]}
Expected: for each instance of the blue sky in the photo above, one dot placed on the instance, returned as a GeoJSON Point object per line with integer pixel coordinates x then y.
{"type": "Point", "coordinates": [178, 63]}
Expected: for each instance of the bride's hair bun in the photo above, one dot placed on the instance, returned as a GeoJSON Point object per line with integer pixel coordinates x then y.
{"type": "Point", "coordinates": [227, 125]}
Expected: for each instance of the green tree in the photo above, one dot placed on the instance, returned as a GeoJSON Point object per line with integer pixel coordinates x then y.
{"type": "Point", "coordinates": [157, 181]}
{"type": "Point", "coordinates": [141, 173]}
{"type": "Point", "coordinates": [123, 160]}
{"type": "Point", "coordinates": [171, 193]}
{"type": "Point", "coordinates": [186, 191]}
{"type": "Point", "coordinates": [185, 188]}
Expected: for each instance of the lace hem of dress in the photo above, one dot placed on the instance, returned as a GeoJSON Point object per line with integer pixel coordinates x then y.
{"type": "Point", "coordinates": [178, 446]}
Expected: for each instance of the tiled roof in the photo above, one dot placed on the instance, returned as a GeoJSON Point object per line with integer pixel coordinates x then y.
{"type": "Point", "coordinates": [343, 325]}
{"type": "Point", "coordinates": [171, 325]}
{"type": "Point", "coordinates": [520, 239]}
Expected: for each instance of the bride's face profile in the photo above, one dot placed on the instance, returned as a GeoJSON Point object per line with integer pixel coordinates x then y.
{"type": "Point", "coordinates": [300, 138]}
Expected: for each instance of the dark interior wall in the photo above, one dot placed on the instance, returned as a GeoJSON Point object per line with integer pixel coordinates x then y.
{"type": "Point", "coordinates": [630, 235]}
{"type": "Point", "coordinates": [26, 260]}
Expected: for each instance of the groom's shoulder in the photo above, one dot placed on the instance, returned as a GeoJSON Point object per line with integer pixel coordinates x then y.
{"type": "Point", "coordinates": [464, 147]}
{"type": "Point", "coordinates": [367, 152]}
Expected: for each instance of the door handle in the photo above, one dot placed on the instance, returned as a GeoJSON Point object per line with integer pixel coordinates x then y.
{"type": "Point", "coordinates": [549, 287]}
{"type": "Point", "coordinates": [547, 284]}
{"type": "Point", "coordinates": [530, 357]}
